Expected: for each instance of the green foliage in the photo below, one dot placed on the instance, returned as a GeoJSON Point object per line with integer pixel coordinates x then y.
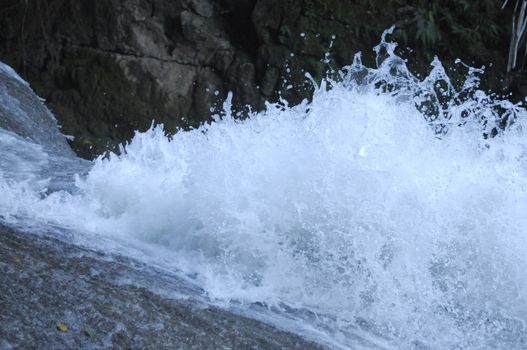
{"type": "Point", "coordinates": [439, 26]}
{"type": "Point", "coordinates": [465, 23]}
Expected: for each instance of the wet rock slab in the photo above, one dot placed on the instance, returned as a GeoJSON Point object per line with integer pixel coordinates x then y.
{"type": "Point", "coordinates": [55, 295]}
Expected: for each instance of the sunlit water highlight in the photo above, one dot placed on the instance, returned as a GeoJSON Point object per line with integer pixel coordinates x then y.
{"type": "Point", "coordinates": [382, 205]}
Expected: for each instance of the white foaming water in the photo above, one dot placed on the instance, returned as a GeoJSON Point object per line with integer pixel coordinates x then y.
{"type": "Point", "coordinates": [379, 206]}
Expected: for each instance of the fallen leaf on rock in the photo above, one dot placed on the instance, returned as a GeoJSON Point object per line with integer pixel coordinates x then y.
{"type": "Point", "coordinates": [62, 327]}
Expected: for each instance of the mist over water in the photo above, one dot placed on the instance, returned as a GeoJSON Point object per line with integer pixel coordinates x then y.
{"type": "Point", "coordinates": [390, 204]}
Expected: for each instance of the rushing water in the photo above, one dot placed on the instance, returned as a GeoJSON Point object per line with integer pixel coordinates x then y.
{"type": "Point", "coordinates": [389, 206]}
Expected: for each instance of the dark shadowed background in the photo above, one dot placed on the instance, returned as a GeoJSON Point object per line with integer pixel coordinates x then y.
{"type": "Point", "coordinates": [109, 67]}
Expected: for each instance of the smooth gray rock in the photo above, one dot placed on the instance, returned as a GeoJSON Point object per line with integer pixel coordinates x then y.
{"type": "Point", "coordinates": [31, 145]}
{"type": "Point", "coordinates": [24, 114]}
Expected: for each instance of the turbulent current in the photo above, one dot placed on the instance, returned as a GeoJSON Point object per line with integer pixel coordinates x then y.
{"type": "Point", "coordinates": [390, 208]}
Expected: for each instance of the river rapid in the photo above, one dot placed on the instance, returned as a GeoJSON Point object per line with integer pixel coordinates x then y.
{"type": "Point", "coordinates": [388, 212]}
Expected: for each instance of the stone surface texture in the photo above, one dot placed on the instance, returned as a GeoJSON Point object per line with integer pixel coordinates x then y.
{"type": "Point", "coordinates": [46, 283]}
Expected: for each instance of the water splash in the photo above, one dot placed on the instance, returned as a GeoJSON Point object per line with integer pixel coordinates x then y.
{"type": "Point", "coordinates": [389, 203]}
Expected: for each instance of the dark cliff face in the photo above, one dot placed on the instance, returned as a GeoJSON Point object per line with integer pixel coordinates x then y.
{"type": "Point", "coordinates": [109, 67]}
